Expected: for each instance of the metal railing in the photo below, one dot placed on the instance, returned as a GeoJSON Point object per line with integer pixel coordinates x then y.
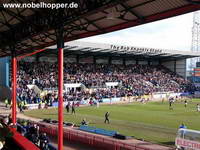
{"type": "Point", "coordinates": [94, 140]}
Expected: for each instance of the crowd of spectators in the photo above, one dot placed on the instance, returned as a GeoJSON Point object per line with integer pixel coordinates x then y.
{"type": "Point", "coordinates": [134, 80]}
{"type": "Point", "coordinates": [32, 132]}
{"type": "Point", "coordinates": [27, 129]}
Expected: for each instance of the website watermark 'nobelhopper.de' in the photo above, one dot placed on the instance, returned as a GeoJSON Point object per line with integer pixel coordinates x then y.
{"type": "Point", "coordinates": [41, 5]}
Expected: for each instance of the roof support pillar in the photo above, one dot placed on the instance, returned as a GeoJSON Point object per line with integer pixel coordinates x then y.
{"type": "Point", "coordinates": [124, 61]}
{"type": "Point", "coordinates": [77, 59]}
{"type": "Point", "coordinates": [94, 60]}
{"type": "Point", "coordinates": [60, 46]}
{"type": "Point", "coordinates": [14, 86]}
{"type": "Point", "coordinates": [110, 60]}
{"type": "Point", "coordinates": [136, 61]}
{"type": "Point", "coordinates": [37, 57]}
{"type": "Point", "coordinates": [159, 62]}
{"type": "Point", "coordinates": [149, 62]}
{"type": "Point", "coordinates": [175, 66]}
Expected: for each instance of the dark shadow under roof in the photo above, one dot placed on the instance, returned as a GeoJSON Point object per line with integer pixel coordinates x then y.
{"type": "Point", "coordinates": [86, 49]}
{"type": "Point", "coordinates": [29, 29]}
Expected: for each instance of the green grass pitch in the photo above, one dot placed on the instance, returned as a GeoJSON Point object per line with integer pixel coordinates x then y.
{"type": "Point", "coordinates": [152, 121]}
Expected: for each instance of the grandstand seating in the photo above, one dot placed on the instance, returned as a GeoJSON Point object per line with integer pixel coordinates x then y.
{"type": "Point", "coordinates": [134, 80]}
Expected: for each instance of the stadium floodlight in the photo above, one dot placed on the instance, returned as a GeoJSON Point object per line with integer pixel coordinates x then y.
{"type": "Point", "coordinates": [113, 14]}
{"type": "Point", "coordinates": [195, 46]}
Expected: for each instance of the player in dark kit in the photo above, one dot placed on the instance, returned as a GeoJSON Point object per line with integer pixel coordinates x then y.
{"type": "Point", "coordinates": [170, 103]}
{"type": "Point", "coordinates": [107, 117]}
{"type": "Point", "coordinates": [67, 107]}
{"type": "Point", "coordinates": [185, 103]}
{"type": "Point", "coordinates": [73, 108]}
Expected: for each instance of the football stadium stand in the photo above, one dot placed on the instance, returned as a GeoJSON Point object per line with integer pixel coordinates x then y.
{"type": "Point", "coordinates": [26, 30]}
{"type": "Point", "coordinates": [148, 71]}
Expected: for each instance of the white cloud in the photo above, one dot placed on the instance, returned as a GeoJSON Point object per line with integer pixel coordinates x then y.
{"type": "Point", "coordinates": [173, 33]}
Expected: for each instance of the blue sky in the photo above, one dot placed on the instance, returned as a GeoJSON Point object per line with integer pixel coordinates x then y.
{"type": "Point", "coordinates": [173, 33]}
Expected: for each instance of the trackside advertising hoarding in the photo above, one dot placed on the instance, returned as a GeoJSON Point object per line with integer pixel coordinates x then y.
{"type": "Point", "coordinates": [192, 145]}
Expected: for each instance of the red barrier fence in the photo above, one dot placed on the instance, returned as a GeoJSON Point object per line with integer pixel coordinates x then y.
{"type": "Point", "coordinates": [94, 140]}
{"type": "Point", "coordinates": [22, 142]}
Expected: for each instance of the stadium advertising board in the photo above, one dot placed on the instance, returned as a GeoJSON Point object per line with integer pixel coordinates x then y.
{"type": "Point", "coordinates": [52, 59]}
{"type": "Point", "coordinates": [117, 61]}
{"type": "Point", "coordinates": [187, 144]}
{"type": "Point", "coordinates": [197, 94]}
{"type": "Point", "coordinates": [34, 106]}
{"type": "Point", "coordinates": [70, 59]}
{"type": "Point", "coordinates": [110, 100]}
{"type": "Point", "coordinates": [136, 49]}
{"type": "Point", "coordinates": [86, 60]}
{"type": "Point", "coordinates": [102, 61]}
{"type": "Point", "coordinates": [130, 62]}
{"type": "Point", "coordinates": [142, 62]}
{"type": "Point", "coordinates": [112, 84]}
{"type": "Point", "coordinates": [161, 95]}
{"type": "Point", "coordinates": [55, 104]}
{"type": "Point", "coordinates": [154, 63]}
{"type": "Point", "coordinates": [29, 59]}
{"type": "Point", "coordinates": [44, 59]}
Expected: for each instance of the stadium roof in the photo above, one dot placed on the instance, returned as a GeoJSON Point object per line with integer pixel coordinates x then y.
{"type": "Point", "coordinates": [97, 49]}
{"type": "Point", "coordinates": [29, 29]}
